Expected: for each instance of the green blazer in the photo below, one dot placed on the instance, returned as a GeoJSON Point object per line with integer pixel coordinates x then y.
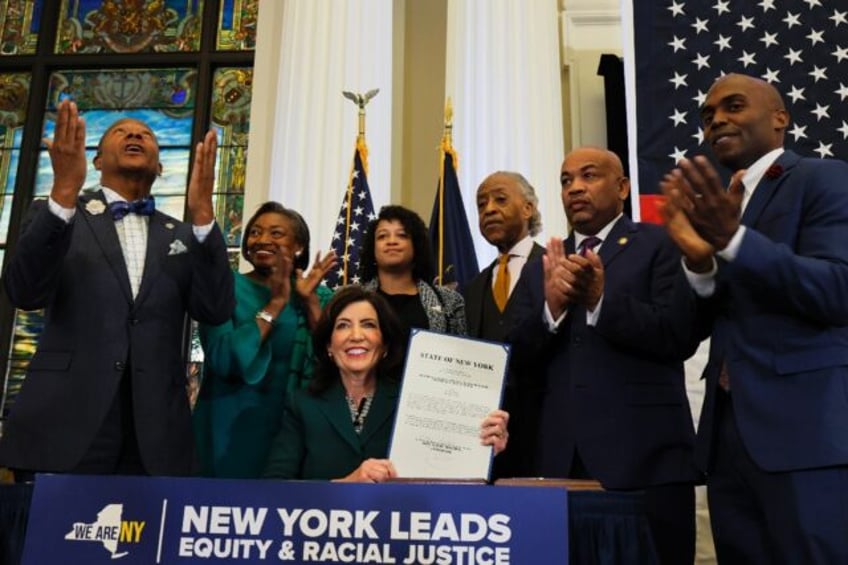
{"type": "Point", "coordinates": [317, 440]}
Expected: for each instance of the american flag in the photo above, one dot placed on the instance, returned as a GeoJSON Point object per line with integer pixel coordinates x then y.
{"type": "Point", "coordinates": [683, 46]}
{"type": "Point", "coordinates": [357, 210]}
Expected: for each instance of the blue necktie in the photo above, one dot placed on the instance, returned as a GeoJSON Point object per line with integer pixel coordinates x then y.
{"type": "Point", "coordinates": [143, 206]}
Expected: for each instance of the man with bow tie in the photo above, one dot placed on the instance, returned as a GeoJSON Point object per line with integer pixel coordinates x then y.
{"type": "Point", "coordinates": [768, 260]}
{"type": "Point", "coordinates": [607, 313]}
{"type": "Point", "coordinates": [105, 391]}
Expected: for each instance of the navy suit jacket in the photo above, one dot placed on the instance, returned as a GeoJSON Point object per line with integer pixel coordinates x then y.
{"type": "Point", "coordinates": [779, 319]}
{"type": "Point", "coordinates": [94, 330]}
{"type": "Point", "coordinates": [616, 391]}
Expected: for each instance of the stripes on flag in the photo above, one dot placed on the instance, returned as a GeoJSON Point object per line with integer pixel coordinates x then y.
{"type": "Point", "coordinates": [356, 211]}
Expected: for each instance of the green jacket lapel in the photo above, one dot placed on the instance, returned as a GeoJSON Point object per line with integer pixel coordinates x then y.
{"type": "Point", "coordinates": [383, 408]}
{"type": "Point", "coordinates": [335, 408]}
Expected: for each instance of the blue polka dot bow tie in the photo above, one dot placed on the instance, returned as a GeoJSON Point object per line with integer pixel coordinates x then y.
{"type": "Point", "coordinates": [143, 206]}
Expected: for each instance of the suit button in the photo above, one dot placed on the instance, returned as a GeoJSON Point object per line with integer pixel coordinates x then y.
{"type": "Point", "coordinates": [133, 321]}
{"type": "Point", "coordinates": [119, 366]}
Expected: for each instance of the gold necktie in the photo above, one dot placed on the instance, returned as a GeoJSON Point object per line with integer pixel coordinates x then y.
{"type": "Point", "coordinates": [501, 289]}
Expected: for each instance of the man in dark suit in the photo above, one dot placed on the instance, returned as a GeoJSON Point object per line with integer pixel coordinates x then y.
{"type": "Point", "coordinates": [608, 313]}
{"type": "Point", "coordinates": [106, 389]}
{"type": "Point", "coordinates": [769, 262]}
{"type": "Point", "coordinates": [507, 209]}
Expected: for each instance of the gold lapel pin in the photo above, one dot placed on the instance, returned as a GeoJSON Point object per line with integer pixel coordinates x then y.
{"type": "Point", "coordinates": [622, 240]}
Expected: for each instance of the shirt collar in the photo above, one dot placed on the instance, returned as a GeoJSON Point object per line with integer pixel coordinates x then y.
{"type": "Point", "coordinates": [755, 172]}
{"type": "Point", "coordinates": [111, 195]}
{"type": "Point", "coordinates": [522, 248]}
{"type": "Point", "coordinates": [602, 233]}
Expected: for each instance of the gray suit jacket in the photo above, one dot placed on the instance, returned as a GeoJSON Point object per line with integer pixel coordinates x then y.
{"type": "Point", "coordinates": [94, 331]}
{"type": "Point", "coordinates": [445, 310]}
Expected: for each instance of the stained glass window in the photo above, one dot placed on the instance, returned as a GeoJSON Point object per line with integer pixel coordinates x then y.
{"type": "Point", "coordinates": [19, 24]}
{"type": "Point", "coordinates": [162, 98]}
{"type": "Point", "coordinates": [231, 97]}
{"type": "Point", "coordinates": [129, 26]}
{"type": "Point", "coordinates": [237, 25]}
{"type": "Point", "coordinates": [14, 94]}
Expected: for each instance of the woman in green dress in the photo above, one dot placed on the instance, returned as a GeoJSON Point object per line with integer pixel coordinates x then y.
{"type": "Point", "coordinates": [257, 359]}
{"type": "Point", "coordinates": [339, 427]}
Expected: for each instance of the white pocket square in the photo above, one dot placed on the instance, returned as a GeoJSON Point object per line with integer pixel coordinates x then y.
{"type": "Point", "coordinates": [177, 247]}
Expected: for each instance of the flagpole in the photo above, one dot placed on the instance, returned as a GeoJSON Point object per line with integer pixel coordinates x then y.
{"type": "Point", "coordinates": [445, 147]}
{"type": "Point", "coordinates": [361, 100]}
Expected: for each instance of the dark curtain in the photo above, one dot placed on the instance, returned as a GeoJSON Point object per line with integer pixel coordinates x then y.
{"type": "Point", "coordinates": [611, 67]}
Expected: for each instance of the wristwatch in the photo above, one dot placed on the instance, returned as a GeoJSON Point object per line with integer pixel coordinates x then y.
{"type": "Point", "coordinates": [265, 315]}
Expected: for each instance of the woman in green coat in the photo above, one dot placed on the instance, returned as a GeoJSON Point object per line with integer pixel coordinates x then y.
{"type": "Point", "coordinates": [254, 361]}
{"type": "Point", "coordinates": [340, 426]}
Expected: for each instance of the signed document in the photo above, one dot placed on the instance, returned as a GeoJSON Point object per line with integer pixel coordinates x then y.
{"type": "Point", "coordinates": [449, 386]}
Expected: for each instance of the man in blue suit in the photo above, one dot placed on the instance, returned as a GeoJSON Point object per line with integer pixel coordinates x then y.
{"type": "Point", "coordinates": [608, 313]}
{"type": "Point", "coordinates": [106, 389]}
{"type": "Point", "coordinates": [768, 258]}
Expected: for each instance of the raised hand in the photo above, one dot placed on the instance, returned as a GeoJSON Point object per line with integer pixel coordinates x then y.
{"type": "Point", "coordinates": [67, 154]}
{"type": "Point", "coordinates": [202, 180]}
{"type": "Point", "coordinates": [305, 286]}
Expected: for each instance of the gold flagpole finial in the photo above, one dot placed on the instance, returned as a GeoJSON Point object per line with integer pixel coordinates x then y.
{"type": "Point", "coordinates": [448, 121]}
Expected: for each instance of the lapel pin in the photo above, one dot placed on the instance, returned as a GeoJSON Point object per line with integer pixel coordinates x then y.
{"type": "Point", "coordinates": [169, 225]}
{"type": "Point", "coordinates": [622, 240]}
{"type": "Point", "coordinates": [95, 207]}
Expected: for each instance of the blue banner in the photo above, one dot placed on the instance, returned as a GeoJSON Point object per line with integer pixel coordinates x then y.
{"type": "Point", "coordinates": [97, 519]}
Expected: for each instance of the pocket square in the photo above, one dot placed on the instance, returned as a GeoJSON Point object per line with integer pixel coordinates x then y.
{"type": "Point", "coordinates": [177, 248]}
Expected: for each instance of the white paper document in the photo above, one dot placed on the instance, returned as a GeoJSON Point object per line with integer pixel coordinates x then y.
{"type": "Point", "coordinates": [449, 386]}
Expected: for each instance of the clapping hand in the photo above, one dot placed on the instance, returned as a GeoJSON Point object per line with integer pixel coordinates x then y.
{"type": "Point", "coordinates": [698, 213]}
{"type": "Point", "coordinates": [571, 279]}
{"type": "Point", "coordinates": [279, 280]}
{"type": "Point", "coordinates": [558, 278]}
{"type": "Point", "coordinates": [712, 211]}
{"type": "Point", "coordinates": [587, 285]}
{"type": "Point", "coordinates": [306, 285]}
